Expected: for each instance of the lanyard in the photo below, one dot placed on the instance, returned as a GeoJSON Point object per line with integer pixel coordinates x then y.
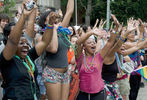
{"type": "Point", "coordinates": [26, 65]}
{"type": "Point", "coordinates": [30, 72]}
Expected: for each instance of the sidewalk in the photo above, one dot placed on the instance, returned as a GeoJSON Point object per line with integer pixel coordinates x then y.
{"type": "Point", "coordinates": [143, 93]}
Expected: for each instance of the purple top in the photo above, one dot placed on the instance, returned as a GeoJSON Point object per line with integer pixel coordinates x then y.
{"type": "Point", "coordinates": [90, 69]}
{"type": "Point", "coordinates": [135, 57]}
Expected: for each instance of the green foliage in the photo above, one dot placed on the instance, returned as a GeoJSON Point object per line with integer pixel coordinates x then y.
{"type": "Point", "coordinates": [63, 5]}
{"type": "Point", "coordinates": [8, 5]}
{"type": "Point", "coordinates": [123, 9]}
{"type": "Point", "coordinates": [99, 11]}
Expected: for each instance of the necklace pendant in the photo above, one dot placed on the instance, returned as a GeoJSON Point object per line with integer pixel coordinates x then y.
{"type": "Point", "coordinates": [92, 68]}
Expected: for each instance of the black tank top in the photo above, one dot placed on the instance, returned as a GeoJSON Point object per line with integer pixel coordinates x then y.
{"type": "Point", "coordinates": [109, 72]}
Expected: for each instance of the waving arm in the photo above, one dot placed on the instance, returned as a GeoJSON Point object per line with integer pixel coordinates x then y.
{"type": "Point", "coordinates": [138, 46]}
{"type": "Point", "coordinates": [69, 12]}
{"type": "Point", "coordinates": [13, 40]}
{"type": "Point", "coordinates": [30, 25]}
{"type": "Point", "coordinates": [79, 43]}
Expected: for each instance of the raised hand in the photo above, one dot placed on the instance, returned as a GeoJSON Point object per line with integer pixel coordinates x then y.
{"type": "Point", "coordinates": [141, 27]}
{"type": "Point", "coordinates": [118, 26]}
{"type": "Point", "coordinates": [116, 22]}
{"type": "Point", "coordinates": [97, 20]}
{"type": "Point", "coordinates": [130, 24]}
{"type": "Point", "coordinates": [136, 23]}
{"type": "Point", "coordinates": [111, 25]}
{"type": "Point", "coordinates": [60, 12]}
{"type": "Point", "coordinates": [102, 23]}
{"type": "Point", "coordinates": [98, 32]}
{"type": "Point", "coordinates": [126, 33]}
{"type": "Point", "coordinates": [25, 11]}
{"type": "Point", "coordinates": [120, 29]}
{"type": "Point", "coordinates": [53, 18]}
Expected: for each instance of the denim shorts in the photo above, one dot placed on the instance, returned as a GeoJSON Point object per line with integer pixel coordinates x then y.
{"type": "Point", "coordinates": [41, 85]}
{"type": "Point", "coordinates": [52, 76]}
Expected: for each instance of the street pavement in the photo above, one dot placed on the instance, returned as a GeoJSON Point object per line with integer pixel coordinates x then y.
{"type": "Point", "coordinates": [142, 93]}
{"type": "Point", "coordinates": [141, 96]}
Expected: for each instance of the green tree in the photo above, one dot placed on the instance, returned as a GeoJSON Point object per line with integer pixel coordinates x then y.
{"type": "Point", "coordinates": [8, 5]}
{"type": "Point", "coordinates": [88, 6]}
{"type": "Point", "coordinates": [123, 9]}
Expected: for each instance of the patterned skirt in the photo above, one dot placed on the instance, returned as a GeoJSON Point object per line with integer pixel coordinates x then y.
{"type": "Point", "coordinates": [112, 90]}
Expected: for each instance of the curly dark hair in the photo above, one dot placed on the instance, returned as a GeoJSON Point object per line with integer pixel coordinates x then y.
{"type": "Point", "coordinates": [7, 30]}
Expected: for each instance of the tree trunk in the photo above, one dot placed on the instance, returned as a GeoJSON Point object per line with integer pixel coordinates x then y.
{"type": "Point", "coordinates": [88, 12]}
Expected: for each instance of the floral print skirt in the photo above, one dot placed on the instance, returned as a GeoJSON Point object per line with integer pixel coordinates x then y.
{"type": "Point", "coordinates": [52, 76]}
{"type": "Point", "coordinates": [112, 90]}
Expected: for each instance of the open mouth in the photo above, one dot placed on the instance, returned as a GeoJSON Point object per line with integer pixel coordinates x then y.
{"type": "Point", "coordinates": [24, 51]}
{"type": "Point", "coordinates": [122, 49]}
{"type": "Point", "coordinates": [93, 48]}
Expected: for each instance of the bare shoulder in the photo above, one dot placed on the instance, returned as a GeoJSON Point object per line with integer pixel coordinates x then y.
{"type": "Point", "coordinates": [129, 44]}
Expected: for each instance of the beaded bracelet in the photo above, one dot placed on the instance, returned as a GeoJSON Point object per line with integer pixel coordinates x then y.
{"type": "Point", "coordinates": [116, 33]}
{"type": "Point", "coordinates": [122, 39]}
{"type": "Point", "coordinates": [48, 26]}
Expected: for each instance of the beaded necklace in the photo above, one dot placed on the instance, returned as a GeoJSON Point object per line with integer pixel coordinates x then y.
{"type": "Point", "coordinates": [91, 67]}
{"type": "Point", "coordinates": [31, 69]}
{"type": "Point", "coordinates": [119, 62]}
{"type": "Point", "coordinates": [62, 34]}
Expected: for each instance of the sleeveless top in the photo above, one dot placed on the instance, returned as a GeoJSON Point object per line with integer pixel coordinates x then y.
{"type": "Point", "coordinates": [70, 54]}
{"type": "Point", "coordinates": [135, 57]}
{"type": "Point", "coordinates": [109, 72]}
{"type": "Point", "coordinates": [90, 79]}
{"type": "Point", "coordinates": [59, 59]}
